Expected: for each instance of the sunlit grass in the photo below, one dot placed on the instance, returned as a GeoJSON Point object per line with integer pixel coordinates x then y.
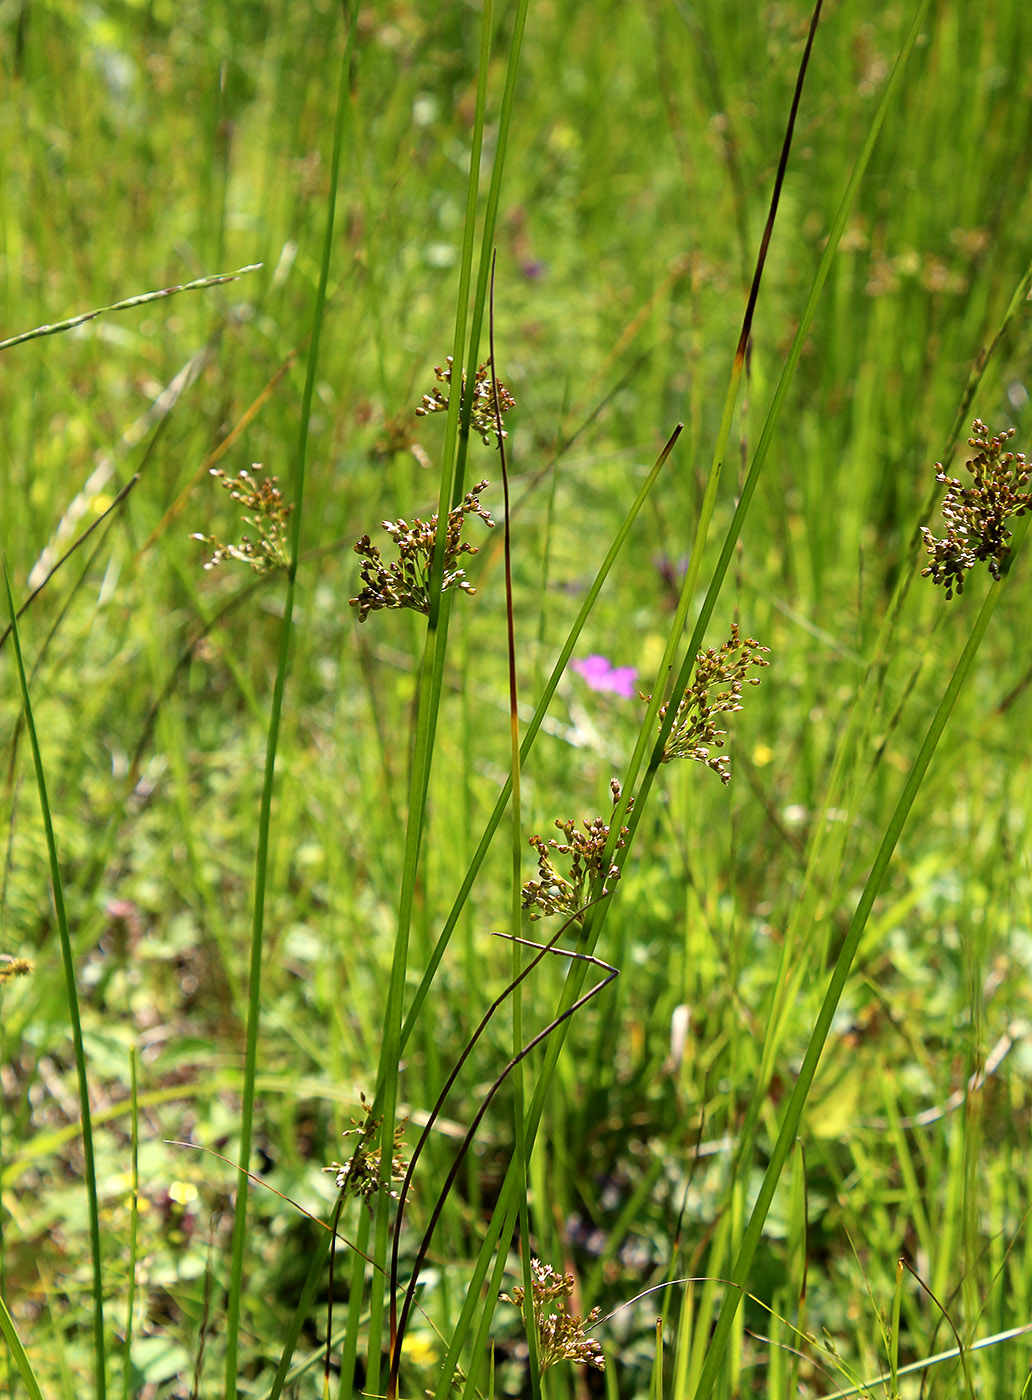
{"type": "Point", "coordinates": [150, 150]}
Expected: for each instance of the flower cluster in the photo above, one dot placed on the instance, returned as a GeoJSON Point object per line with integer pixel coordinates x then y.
{"type": "Point", "coordinates": [361, 1175]}
{"type": "Point", "coordinates": [975, 515]}
{"type": "Point", "coordinates": [11, 967]}
{"type": "Point", "coordinates": [552, 893]}
{"type": "Point", "coordinates": [267, 515]}
{"type": "Point", "coordinates": [405, 582]}
{"type": "Point", "coordinates": [716, 689]}
{"type": "Point", "coordinates": [483, 418]}
{"type": "Point", "coordinates": [560, 1333]}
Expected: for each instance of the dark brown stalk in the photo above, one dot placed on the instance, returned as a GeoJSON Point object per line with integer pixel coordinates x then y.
{"type": "Point", "coordinates": [398, 1325]}
{"type": "Point", "coordinates": [775, 198]}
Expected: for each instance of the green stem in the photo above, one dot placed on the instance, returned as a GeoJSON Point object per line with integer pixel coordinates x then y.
{"type": "Point", "coordinates": [716, 1354]}
{"type": "Point", "coordinates": [71, 992]}
{"type": "Point", "coordinates": [235, 1290]}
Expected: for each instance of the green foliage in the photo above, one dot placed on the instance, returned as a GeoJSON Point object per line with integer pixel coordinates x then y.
{"type": "Point", "coordinates": [156, 146]}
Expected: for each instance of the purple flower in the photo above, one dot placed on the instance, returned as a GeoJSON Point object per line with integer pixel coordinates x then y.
{"type": "Point", "coordinates": [601, 674]}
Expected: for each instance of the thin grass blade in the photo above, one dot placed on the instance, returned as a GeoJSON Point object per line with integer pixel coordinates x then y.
{"type": "Point", "coordinates": [72, 995]}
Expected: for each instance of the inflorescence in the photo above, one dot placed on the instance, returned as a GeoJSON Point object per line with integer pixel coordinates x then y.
{"type": "Point", "coordinates": [552, 893]}
{"type": "Point", "coordinates": [360, 1176]}
{"type": "Point", "coordinates": [405, 582]}
{"type": "Point", "coordinates": [267, 514]}
{"type": "Point", "coordinates": [560, 1334]}
{"type": "Point", "coordinates": [11, 967]}
{"type": "Point", "coordinates": [976, 515]}
{"type": "Point", "coordinates": [716, 689]}
{"type": "Point", "coordinates": [483, 419]}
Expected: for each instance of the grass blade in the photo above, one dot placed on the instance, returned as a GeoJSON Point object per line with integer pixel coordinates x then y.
{"type": "Point", "coordinates": [516, 901]}
{"type": "Point", "coordinates": [432, 669]}
{"type": "Point", "coordinates": [716, 1354]}
{"type": "Point", "coordinates": [71, 992]}
{"type": "Point", "coordinates": [272, 744]}
{"type": "Point", "coordinates": [21, 1360]}
{"type": "Point", "coordinates": [134, 1220]}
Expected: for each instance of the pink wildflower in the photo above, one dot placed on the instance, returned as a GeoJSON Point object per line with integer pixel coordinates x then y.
{"type": "Point", "coordinates": [600, 674]}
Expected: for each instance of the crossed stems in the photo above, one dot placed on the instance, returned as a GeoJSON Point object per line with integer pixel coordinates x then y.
{"type": "Point", "coordinates": [398, 1324]}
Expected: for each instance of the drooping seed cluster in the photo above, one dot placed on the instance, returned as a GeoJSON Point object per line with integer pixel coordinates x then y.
{"type": "Point", "coordinates": [266, 512]}
{"type": "Point", "coordinates": [975, 516]}
{"type": "Point", "coordinates": [560, 1334]}
{"type": "Point", "coordinates": [553, 893]}
{"type": "Point", "coordinates": [715, 689]}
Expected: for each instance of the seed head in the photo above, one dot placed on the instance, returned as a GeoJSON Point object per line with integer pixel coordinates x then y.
{"type": "Point", "coordinates": [483, 419]}
{"type": "Point", "coordinates": [553, 893]}
{"type": "Point", "coordinates": [976, 515]}
{"type": "Point", "coordinates": [266, 513]}
{"type": "Point", "coordinates": [405, 582]}
{"type": "Point", "coordinates": [560, 1334]}
{"type": "Point", "coordinates": [716, 689]}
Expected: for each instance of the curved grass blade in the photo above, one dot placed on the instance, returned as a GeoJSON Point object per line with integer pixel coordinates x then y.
{"type": "Point", "coordinates": [71, 992]}
{"type": "Point", "coordinates": [446, 1089]}
{"type": "Point", "coordinates": [18, 1354]}
{"type": "Point", "coordinates": [927, 1362]}
{"type": "Point", "coordinates": [518, 1058]}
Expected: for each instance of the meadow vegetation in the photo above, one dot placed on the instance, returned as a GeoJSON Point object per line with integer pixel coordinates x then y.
{"type": "Point", "coordinates": [764, 706]}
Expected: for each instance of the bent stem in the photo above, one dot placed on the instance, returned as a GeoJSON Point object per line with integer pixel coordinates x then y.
{"type": "Point", "coordinates": [72, 995]}
{"type": "Point", "coordinates": [542, 951]}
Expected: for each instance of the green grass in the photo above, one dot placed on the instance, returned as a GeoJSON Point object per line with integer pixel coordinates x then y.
{"type": "Point", "coordinates": [872, 838]}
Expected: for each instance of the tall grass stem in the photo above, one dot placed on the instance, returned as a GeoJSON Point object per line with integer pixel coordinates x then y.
{"type": "Point", "coordinates": [72, 997]}
{"type": "Point", "coordinates": [716, 1356]}
{"type": "Point", "coordinates": [235, 1288]}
